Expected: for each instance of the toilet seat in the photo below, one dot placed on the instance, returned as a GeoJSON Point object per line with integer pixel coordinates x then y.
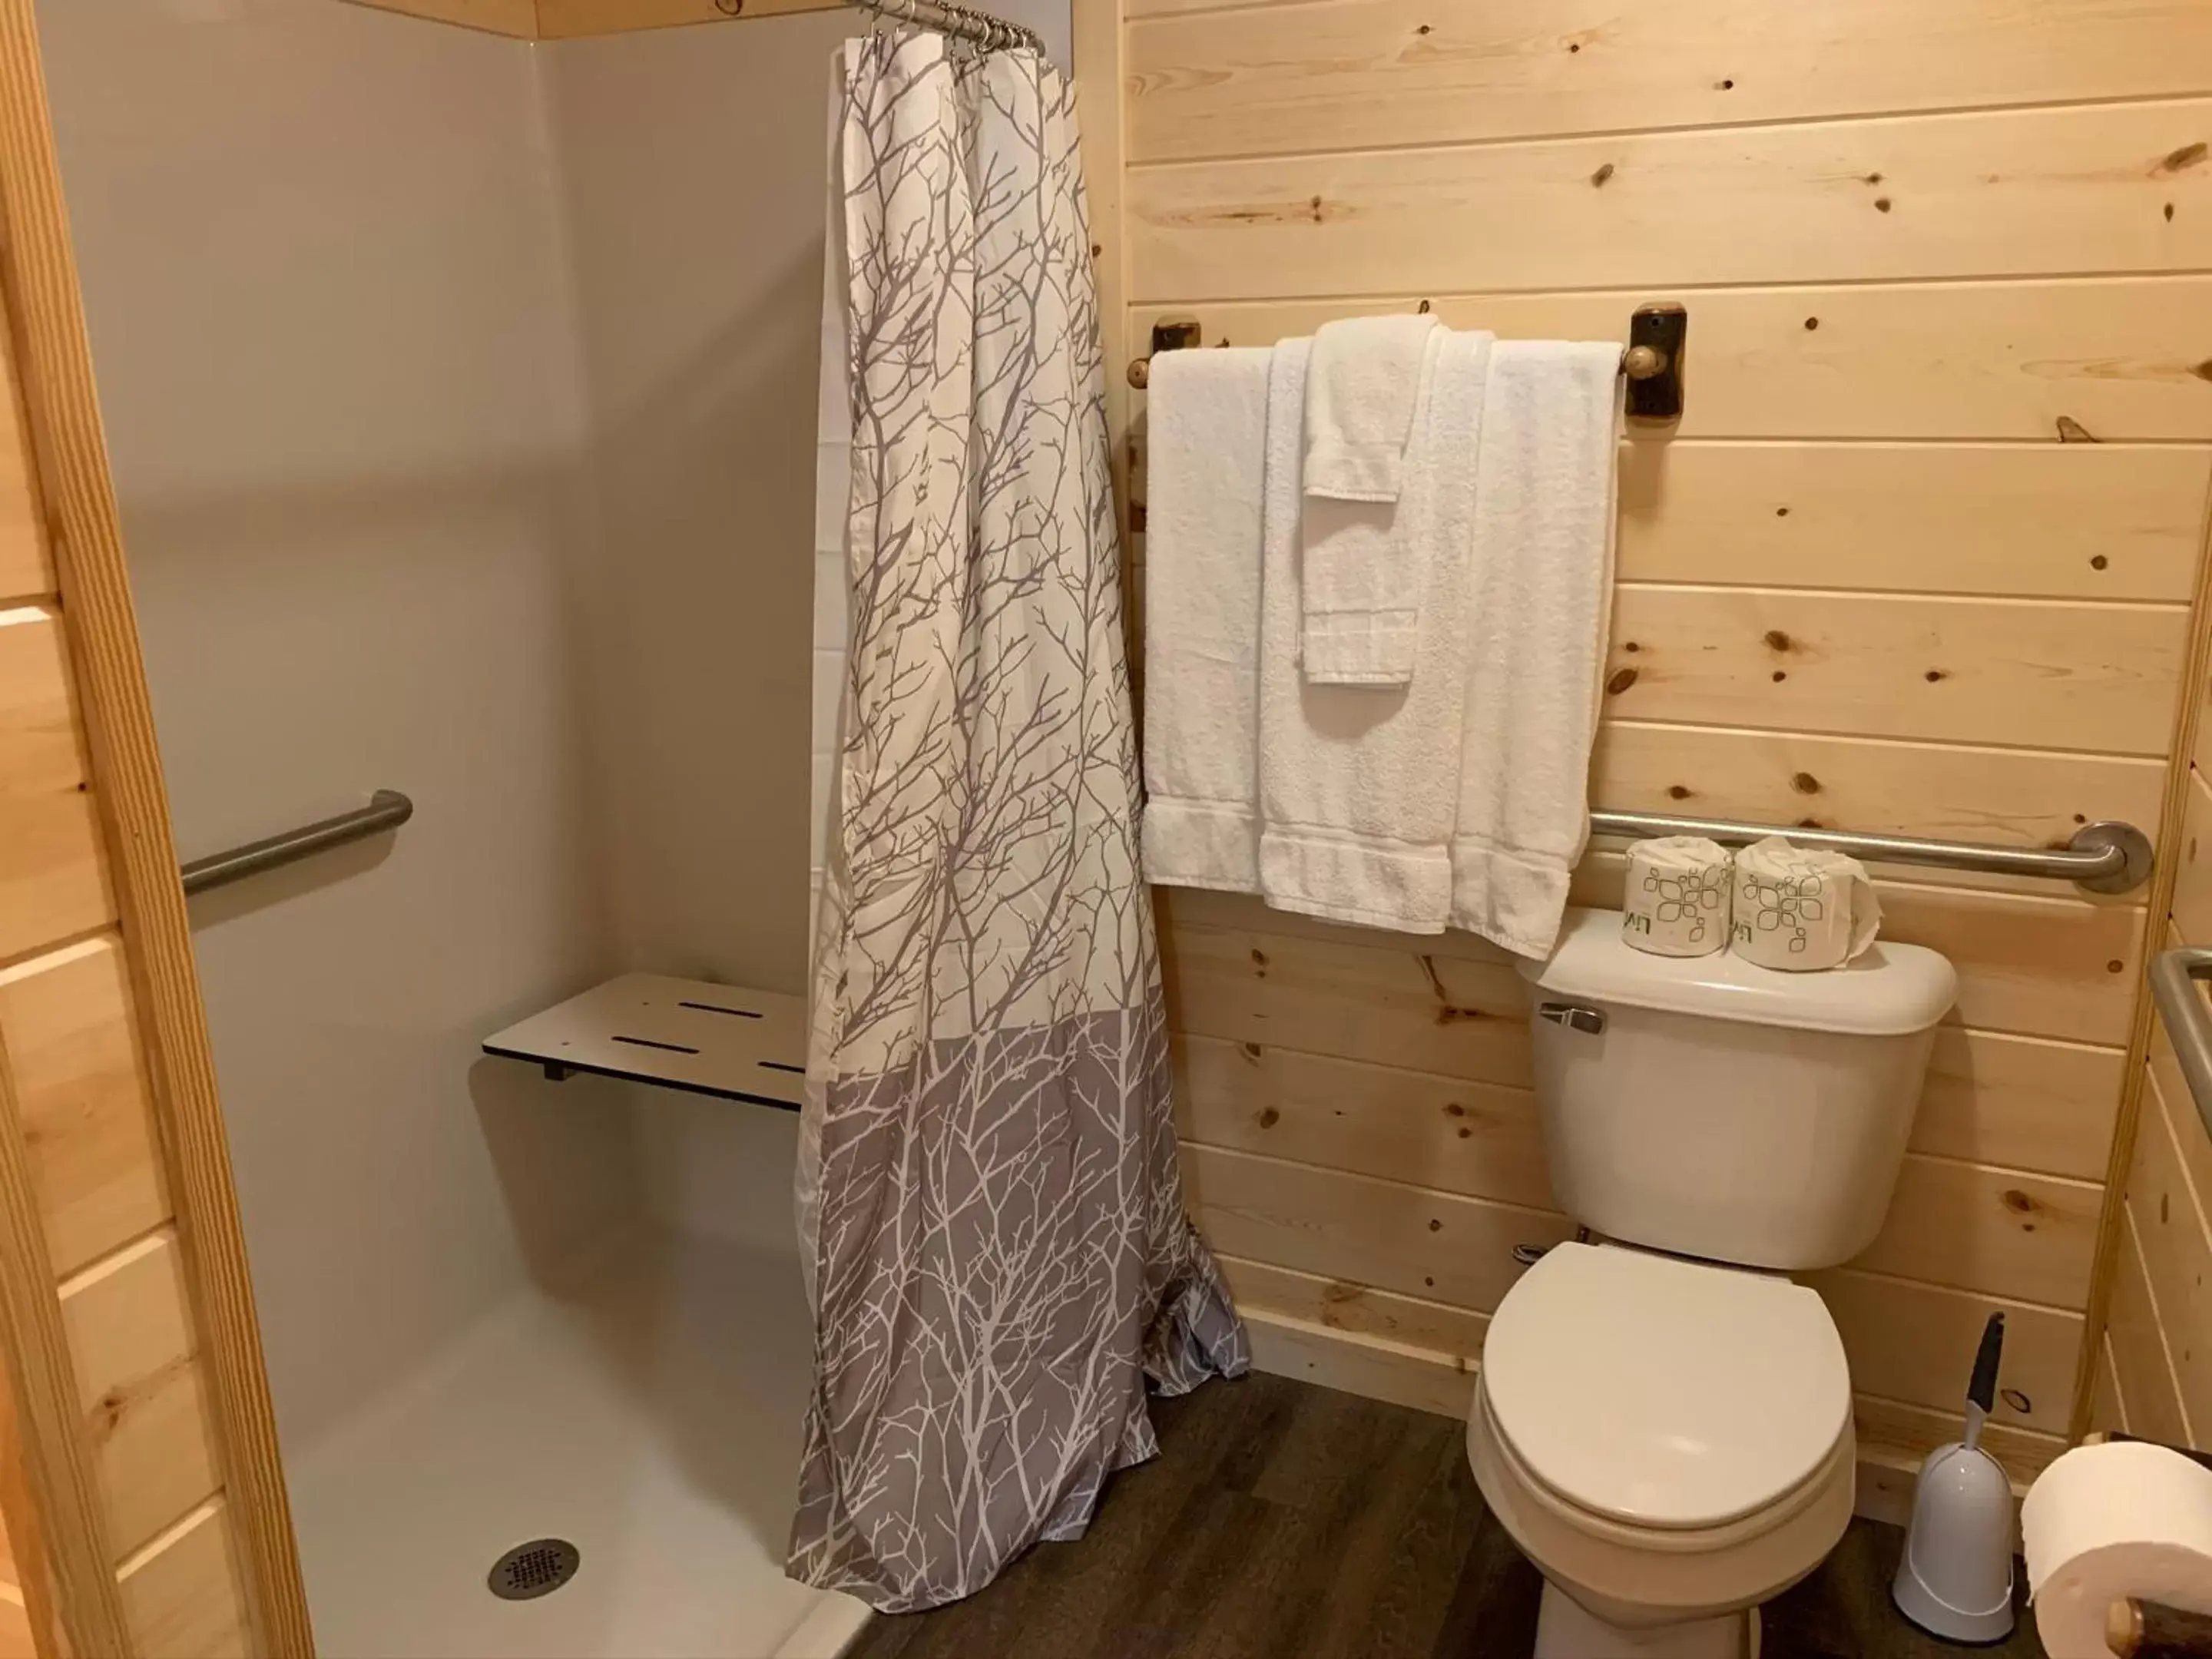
{"type": "Point", "coordinates": [1638, 1578]}
{"type": "Point", "coordinates": [1649, 1395]}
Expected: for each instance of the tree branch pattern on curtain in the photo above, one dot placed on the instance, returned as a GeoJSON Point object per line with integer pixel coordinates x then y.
{"type": "Point", "coordinates": [990, 1201]}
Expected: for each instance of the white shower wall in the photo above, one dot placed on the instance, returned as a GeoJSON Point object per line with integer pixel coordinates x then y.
{"type": "Point", "coordinates": [322, 260]}
{"type": "Point", "coordinates": [461, 396]}
{"type": "Point", "coordinates": [693, 170]}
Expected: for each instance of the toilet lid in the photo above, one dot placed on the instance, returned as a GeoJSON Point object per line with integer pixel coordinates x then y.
{"type": "Point", "coordinates": [1664, 1392]}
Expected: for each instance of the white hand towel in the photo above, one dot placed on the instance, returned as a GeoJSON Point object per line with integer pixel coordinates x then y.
{"type": "Point", "coordinates": [1367, 388]}
{"type": "Point", "coordinates": [1543, 601]}
{"type": "Point", "coordinates": [1362, 386]}
{"type": "Point", "coordinates": [1678, 896]}
{"type": "Point", "coordinates": [1356, 786]}
{"type": "Point", "coordinates": [1801, 908]}
{"type": "Point", "coordinates": [1207, 415]}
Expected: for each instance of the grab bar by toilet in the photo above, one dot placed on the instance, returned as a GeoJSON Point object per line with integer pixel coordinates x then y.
{"type": "Point", "coordinates": [387, 809]}
{"type": "Point", "coordinates": [2102, 858]}
{"type": "Point", "coordinates": [2173, 976]}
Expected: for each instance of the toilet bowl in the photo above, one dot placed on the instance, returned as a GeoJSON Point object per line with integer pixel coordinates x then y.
{"type": "Point", "coordinates": [1669, 1442]}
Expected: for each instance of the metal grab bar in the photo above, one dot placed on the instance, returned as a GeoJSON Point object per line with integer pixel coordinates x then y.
{"type": "Point", "coordinates": [2103, 858]}
{"type": "Point", "coordinates": [387, 809]}
{"type": "Point", "coordinates": [2173, 976]}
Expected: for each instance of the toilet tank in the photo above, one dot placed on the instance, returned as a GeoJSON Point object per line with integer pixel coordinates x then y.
{"type": "Point", "coordinates": [1713, 1108]}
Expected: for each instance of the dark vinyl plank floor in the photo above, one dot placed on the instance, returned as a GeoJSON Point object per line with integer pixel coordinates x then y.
{"type": "Point", "coordinates": [1283, 1521]}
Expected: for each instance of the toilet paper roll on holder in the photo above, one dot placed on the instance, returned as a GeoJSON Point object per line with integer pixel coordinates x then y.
{"type": "Point", "coordinates": [2138, 1629]}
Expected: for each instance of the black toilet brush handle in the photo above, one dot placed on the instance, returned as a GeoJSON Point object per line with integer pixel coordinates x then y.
{"type": "Point", "coordinates": [1983, 1390]}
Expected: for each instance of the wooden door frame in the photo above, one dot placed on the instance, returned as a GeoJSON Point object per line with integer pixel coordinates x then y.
{"type": "Point", "coordinates": [76, 500]}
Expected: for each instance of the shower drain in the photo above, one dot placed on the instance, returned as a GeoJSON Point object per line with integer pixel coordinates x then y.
{"type": "Point", "coordinates": [538, 1568]}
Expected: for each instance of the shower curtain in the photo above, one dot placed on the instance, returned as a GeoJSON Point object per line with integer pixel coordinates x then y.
{"type": "Point", "coordinates": [990, 1207]}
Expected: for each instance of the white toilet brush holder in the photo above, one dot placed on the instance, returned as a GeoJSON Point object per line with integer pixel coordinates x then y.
{"type": "Point", "coordinates": [1956, 1579]}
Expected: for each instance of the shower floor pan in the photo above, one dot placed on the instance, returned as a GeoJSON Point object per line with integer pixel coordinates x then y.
{"type": "Point", "coordinates": [646, 1410]}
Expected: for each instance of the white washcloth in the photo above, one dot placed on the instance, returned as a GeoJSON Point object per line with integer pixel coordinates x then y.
{"type": "Point", "coordinates": [1357, 788]}
{"type": "Point", "coordinates": [1361, 580]}
{"type": "Point", "coordinates": [1207, 415]}
{"type": "Point", "coordinates": [1543, 600]}
{"type": "Point", "coordinates": [1367, 388]}
{"type": "Point", "coordinates": [1362, 387]}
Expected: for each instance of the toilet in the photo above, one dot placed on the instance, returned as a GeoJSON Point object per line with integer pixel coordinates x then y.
{"type": "Point", "coordinates": [1662, 1419]}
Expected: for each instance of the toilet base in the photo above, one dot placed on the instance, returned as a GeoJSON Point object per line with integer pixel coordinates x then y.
{"type": "Point", "coordinates": [1567, 1630]}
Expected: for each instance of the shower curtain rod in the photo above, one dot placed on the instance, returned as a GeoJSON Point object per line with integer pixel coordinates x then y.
{"type": "Point", "coordinates": [966, 22]}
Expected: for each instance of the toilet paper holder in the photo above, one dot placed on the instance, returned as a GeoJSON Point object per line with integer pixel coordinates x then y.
{"type": "Point", "coordinates": [2152, 1630]}
{"type": "Point", "coordinates": [2135, 1628]}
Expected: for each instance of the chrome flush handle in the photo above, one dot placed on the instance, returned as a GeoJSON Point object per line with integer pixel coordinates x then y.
{"type": "Point", "coordinates": [1590, 1021]}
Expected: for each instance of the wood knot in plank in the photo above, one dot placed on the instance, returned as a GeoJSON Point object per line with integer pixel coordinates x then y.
{"type": "Point", "coordinates": [1447, 1013]}
{"type": "Point", "coordinates": [1312, 210]}
{"type": "Point", "coordinates": [2180, 160]}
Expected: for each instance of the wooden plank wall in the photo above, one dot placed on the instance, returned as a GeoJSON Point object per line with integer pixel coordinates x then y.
{"type": "Point", "coordinates": [2152, 1371]}
{"type": "Point", "coordinates": [74, 1074]}
{"type": "Point", "coordinates": [1919, 558]}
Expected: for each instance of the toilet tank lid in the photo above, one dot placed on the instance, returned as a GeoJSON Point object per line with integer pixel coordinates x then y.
{"type": "Point", "coordinates": [1890, 990]}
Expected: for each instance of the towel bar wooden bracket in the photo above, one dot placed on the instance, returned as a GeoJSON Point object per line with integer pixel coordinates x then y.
{"type": "Point", "coordinates": [1658, 334]}
{"type": "Point", "coordinates": [1169, 334]}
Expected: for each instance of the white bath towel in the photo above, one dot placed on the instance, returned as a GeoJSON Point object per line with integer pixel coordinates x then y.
{"type": "Point", "coordinates": [1357, 786]}
{"type": "Point", "coordinates": [1543, 598]}
{"type": "Point", "coordinates": [1367, 388]}
{"type": "Point", "coordinates": [1206, 419]}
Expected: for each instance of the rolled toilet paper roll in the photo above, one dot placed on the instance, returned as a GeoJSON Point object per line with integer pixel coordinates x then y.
{"type": "Point", "coordinates": [1801, 908]}
{"type": "Point", "coordinates": [1677, 900]}
{"type": "Point", "coordinates": [2104, 1522]}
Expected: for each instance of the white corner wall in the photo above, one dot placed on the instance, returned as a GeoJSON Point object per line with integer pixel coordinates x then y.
{"type": "Point", "coordinates": [461, 397]}
{"type": "Point", "coordinates": [321, 258]}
